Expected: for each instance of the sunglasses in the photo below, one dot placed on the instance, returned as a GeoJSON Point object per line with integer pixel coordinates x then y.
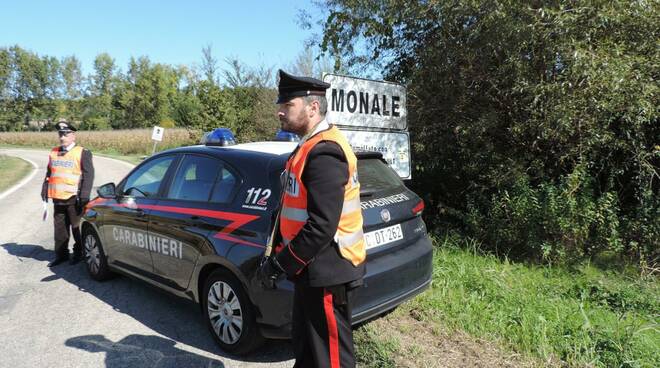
{"type": "Point", "coordinates": [63, 134]}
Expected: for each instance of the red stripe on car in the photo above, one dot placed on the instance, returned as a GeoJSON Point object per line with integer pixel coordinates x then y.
{"type": "Point", "coordinates": [237, 219]}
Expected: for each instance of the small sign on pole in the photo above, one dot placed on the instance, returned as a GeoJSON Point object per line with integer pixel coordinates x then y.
{"type": "Point", "coordinates": [157, 136]}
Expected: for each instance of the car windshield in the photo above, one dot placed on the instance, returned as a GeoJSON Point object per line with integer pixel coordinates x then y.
{"type": "Point", "coordinates": [376, 176]}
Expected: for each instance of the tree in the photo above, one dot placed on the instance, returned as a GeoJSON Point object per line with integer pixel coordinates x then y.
{"type": "Point", "coordinates": [30, 88]}
{"type": "Point", "coordinates": [146, 94]}
{"type": "Point", "coordinates": [513, 103]}
{"type": "Point", "coordinates": [309, 64]}
{"type": "Point", "coordinates": [104, 72]}
{"type": "Point", "coordinates": [5, 98]}
{"type": "Point", "coordinates": [209, 65]}
{"type": "Point", "coordinates": [72, 79]}
{"type": "Point", "coordinates": [238, 74]}
{"type": "Point", "coordinates": [102, 84]}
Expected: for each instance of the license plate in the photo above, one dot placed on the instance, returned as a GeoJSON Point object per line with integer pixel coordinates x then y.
{"type": "Point", "coordinates": [384, 236]}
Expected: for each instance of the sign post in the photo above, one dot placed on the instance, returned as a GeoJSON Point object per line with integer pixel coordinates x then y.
{"type": "Point", "coordinates": [157, 136]}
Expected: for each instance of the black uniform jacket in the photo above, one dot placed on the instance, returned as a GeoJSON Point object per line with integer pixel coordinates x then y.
{"type": "Point", "coordinates": [86, 180]}
{"type": "Point", "coordinates": [324, 176]}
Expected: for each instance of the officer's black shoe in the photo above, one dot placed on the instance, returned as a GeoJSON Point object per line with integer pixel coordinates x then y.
{"type": "Point", "coordinates": [75, 259]}
{"type": "Point", "coordinates": [57, 261]}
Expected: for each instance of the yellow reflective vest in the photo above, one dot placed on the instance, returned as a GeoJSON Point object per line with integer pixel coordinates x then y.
{"type": "Point", "coordinates": [349, 235]}
{"type": "Point", "coordinates": [65, 173]}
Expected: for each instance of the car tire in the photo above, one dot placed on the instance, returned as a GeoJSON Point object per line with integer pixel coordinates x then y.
{"type": "Point", "coordinates": [229, 314]}
{"type": "Point", "coordinates": [94, 256]}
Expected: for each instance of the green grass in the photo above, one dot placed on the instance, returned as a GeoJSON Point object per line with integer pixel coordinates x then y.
{"type": "Point", "coordinates": [374, 349]}
{"type": "Point", "coordinates": [583, 316]}
{"type": "Point", "coordinates": [133, 159]}
{"type": "Point", "coordinates": [12, 170]}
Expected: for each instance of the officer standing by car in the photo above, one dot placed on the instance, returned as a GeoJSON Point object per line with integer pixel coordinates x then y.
{"type": "Point", "coordinates": [322, 249]}
{"type": "Point", "coordinates": [68, 183]}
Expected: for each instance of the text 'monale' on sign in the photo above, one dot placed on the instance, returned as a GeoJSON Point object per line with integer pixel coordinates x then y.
{"type": "Point", "coordinates": [365, 103]}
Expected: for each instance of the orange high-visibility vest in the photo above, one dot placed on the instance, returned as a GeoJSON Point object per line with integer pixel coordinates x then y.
{"type": "Point", "coordinates": [65, 173]}
{"type": "Point", "coordinates": [349, 235]}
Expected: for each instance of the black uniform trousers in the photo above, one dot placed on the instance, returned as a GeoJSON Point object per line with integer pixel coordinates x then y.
{"type": "Point", "coordinates": [65, 216]}
{"type": "Point", "coordinates": [322, 334]}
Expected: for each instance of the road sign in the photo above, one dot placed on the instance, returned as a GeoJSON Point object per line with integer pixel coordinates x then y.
{"type": "Point", "coordinates": [157, 133]}
{"type": "Point", "coordinates": [365, 103]}
{"type": "Point", "coordinates": [395, 147]}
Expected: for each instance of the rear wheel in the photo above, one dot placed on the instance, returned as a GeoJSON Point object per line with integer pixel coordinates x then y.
{"type": "Point", "coordinates": [229, 314]}
{"type": "Point", "coordinates": [95, 259]}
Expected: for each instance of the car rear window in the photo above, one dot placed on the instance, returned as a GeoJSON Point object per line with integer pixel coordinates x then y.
{"type": "Point", "coordinates": [376, 176]}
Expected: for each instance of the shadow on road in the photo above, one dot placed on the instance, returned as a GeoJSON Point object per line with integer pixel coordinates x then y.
{"type": "Point", "coordinates": [141, 351]}
{"type": "Point", "coordinates": [177, 319]}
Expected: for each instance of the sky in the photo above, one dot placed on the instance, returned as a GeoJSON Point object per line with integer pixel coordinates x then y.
{"type": "Point", "coordinates": [258, 33]}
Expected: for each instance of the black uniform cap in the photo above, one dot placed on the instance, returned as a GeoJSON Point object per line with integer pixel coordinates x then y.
{"type": "Point", "coordinates": [63, 126]}
{"type": "Point", "coordinates": [291, 86]}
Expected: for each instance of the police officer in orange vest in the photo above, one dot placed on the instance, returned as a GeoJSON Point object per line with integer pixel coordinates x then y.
{"type": "Point", "coordinates": [322, 249]}
{"type": "Point", "coordinates": [68, 183]}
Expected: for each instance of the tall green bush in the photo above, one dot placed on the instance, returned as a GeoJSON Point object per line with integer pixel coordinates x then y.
{"type": "Point", "coordinates": [534, 124]}
{"type": "Point", "coordinates": [556, 223]}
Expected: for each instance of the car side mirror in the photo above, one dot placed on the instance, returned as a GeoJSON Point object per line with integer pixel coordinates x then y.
{"type": "Point", "coordinates": [107, 191]}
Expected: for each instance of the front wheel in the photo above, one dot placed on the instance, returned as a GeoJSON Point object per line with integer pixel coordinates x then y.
{"type": "Point", "coordinates": [229, 314]}
{"type": "Point", "coordinates": [95, 259]}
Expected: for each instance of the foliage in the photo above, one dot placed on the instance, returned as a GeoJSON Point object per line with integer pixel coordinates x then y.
{"type": "Point", "coordinates": [587, 315]}
{"type": "Point", "coordinates": [143, 98]}
{"type": "Point", "coordinates": [509, 102]}
{"type": "Point", "coordinates": [37, 91]}
{"type": "Point", "coordinates": [563, 223]}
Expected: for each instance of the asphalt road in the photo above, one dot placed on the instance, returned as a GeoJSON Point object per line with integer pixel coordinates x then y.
{"type": "Point", "coordinates": [60, 317]}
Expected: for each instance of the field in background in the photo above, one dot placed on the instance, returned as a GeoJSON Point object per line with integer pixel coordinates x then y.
{"type": "Point", "coordinates": [12, 170]}
{"type": "Point", "coordinates": [117, 142]}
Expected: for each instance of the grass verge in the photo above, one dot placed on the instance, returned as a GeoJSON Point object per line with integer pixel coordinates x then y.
{"type": "Point", "coordinates": [133, 159]}
{"type": "Point", "coordinates": [583, 316]}
{"type": "Point", "coordinates": [12, 170]}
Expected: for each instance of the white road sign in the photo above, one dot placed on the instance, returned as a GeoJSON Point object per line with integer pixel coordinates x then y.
{"type": "Point", "coordinates": [157, 134]}
{"type": "Point", "coordinates": [365, 103]}
{"type": "Point", "coordinates": [395, 147]}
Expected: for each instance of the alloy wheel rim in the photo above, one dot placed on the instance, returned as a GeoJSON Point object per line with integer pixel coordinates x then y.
{"type": "Point", "coordinates": [225, 312]}
{"type": "Point", "coordinates": [92, 254]}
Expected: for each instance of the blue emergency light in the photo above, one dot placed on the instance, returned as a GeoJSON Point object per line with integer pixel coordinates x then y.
{"type": "Point", "coordinates": [218, 137]}
{"type": "Point", "coordinates": [285, 136]}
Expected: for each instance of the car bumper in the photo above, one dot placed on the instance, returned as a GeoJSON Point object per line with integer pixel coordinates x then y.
{"type": "Point", "coordinates": [394, 278]}
{"type": "Point", "coordinates": [391, 279]}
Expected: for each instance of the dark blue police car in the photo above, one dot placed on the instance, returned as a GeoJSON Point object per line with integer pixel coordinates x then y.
{"type": "Point", "coordinates": [194, 221]}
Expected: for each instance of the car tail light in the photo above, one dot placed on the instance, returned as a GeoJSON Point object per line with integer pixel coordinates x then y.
{"type": "Point", "coordinates": [419, 208]}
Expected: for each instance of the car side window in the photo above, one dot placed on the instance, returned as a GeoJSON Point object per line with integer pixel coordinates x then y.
{"type": "Point", "coordinates": [146, 180]}
{"type": "Point", "coordinates": [224, 186]}
{"type": "Point", "coordinates": [195, 178]}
